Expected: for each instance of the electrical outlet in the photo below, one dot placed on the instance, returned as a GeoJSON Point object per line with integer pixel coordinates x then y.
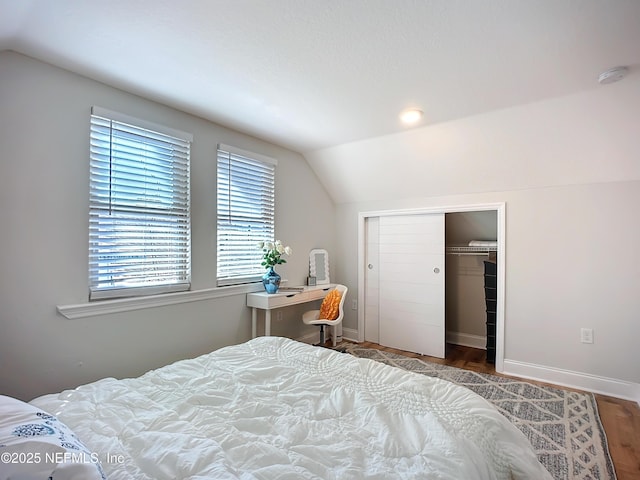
{"type": "Point", "coordinates": [354, 304]}
{"type": "Point", "coordinates": [279, 316]}
{"type": "Point", "coordinates": [586, 335]}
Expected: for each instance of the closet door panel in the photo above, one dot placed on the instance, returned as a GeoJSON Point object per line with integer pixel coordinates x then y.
{"type": "Point", "coordinates": [411, 283]}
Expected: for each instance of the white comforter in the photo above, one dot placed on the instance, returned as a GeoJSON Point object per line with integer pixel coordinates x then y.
{"type": "Point", "coordinates": [273, 408]}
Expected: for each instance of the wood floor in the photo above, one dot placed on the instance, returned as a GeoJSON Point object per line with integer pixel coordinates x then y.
{"type": "Point", "coordinates": [620, 418]}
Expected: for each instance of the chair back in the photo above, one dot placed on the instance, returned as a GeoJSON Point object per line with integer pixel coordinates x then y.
{"type": "Point", "coordinates": [343, 295]}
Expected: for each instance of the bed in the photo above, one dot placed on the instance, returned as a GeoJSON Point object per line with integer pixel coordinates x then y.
{"type": "Point", "coordinates": [274, 408]}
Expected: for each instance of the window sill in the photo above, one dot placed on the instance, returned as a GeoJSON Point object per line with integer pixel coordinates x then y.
{"type": "Point", "coordinates": [106, 307]}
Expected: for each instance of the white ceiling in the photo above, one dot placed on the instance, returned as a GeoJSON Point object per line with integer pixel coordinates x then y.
{"type": "Point", "coordinates": [310, 74]}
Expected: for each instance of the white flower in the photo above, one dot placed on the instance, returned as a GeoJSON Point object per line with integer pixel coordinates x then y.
{"type": "Point", "coordinates": [272, 253]}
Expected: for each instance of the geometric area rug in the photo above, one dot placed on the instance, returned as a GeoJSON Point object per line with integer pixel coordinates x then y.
{"type": "Point", "coordinates": [563, 426]}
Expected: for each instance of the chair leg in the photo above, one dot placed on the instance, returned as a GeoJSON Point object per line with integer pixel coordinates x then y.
{"type": "Point", "coordinates": [321, 335]}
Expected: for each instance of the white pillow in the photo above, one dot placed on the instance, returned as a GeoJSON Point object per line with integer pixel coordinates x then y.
{"type": "Point", "coordinates": [37, 446]}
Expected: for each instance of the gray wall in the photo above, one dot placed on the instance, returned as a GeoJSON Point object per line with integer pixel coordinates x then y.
{"type": "Point", "coordinates": [44, 130]}
{"type": "Point", "coordinates": [571, 262]}
{"type": "Point", "coordinates": [568, 172]}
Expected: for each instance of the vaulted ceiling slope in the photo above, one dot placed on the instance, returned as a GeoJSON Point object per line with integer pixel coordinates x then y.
{"type": "Point", "coordinates": [309, 74]}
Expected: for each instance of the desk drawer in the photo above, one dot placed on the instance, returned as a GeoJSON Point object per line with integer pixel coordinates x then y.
{"type": "Point", "coordinates": [268, 301]}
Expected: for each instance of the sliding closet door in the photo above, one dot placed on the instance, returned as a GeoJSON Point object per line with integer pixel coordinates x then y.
{"type": "Point", "coordinates": [411, 283]}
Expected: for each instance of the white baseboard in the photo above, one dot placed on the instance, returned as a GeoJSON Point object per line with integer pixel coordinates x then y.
{"type": "Point", "coordinates": [310, 338]}
{"type": "Point", "coordinates": [457, 338]}
{"type": "Point", "coordinates": [347, 334]}
{"type": "Point", "coordinates": [467, 340]}
{"type": "Point", "coordinates": [567, 378]}
{"type": "Point", "coordinates": [350, 334]}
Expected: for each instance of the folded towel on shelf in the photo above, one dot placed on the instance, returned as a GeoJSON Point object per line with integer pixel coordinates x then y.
{"type": "Point", "coordinates": [483, 243]}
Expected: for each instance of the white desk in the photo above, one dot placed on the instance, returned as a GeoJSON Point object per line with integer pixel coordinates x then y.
{"type": "Point", "coordinates": [268, 301]}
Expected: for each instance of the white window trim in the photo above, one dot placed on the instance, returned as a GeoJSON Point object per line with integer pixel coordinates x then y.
{"type": "Point", "coordinates": [120, 305]}
{"type": "Point", "coordinates": [101, 294]}
{"type": "Point", "coordinates": [139, 122]}
{"type": "Point", "coordinates": [247, 154]}
{"type": "Point", "coordinates": [256, 157]}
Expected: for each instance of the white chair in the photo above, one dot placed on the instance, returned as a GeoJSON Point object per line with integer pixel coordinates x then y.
{"type": "Point", "coordinates": [312, 317]}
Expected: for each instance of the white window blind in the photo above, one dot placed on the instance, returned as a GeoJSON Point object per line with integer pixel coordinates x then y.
{"type": "Point", "coordinates": [139, 219]}
{"type": "Point", "coordinates": [246, 211]}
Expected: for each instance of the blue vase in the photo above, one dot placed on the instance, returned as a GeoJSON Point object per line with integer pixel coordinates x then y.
{"type": "Point", "coordinates": [271, 280]}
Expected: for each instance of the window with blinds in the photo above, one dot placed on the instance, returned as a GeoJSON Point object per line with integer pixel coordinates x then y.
{"type": "Point", "coordinates": [246, 211]}
{"type": "Point", "coordinates": [139, 214]}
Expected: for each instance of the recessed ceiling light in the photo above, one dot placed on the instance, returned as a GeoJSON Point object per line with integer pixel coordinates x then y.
{"type": "Point", "coordinates": [411, 116]}
{"type": "Point", "coordinates": [612, 75]}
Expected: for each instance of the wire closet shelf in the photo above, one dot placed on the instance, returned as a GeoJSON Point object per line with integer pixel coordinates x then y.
{"type": "Point", "coordinates": [470, 250]}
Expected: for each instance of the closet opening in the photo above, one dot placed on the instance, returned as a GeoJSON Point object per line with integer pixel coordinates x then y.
{"type": "Point", "coordinates": [471, 249]}
{"type": "Point", "coordinates": [451, 292]}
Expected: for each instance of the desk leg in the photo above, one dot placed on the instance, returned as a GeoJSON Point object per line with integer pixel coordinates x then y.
{"type": "Point", "coordinates": [254, 322]}
{"type": "Point", "coordinates": [267, 323]}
